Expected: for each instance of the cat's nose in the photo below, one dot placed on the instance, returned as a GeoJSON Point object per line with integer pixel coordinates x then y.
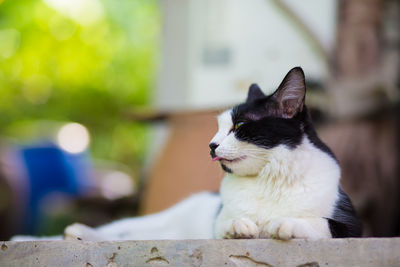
{"type": "Point", "coordinates": [213, 146]}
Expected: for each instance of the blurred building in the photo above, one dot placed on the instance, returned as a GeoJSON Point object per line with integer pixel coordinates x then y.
{"type": "Point", "coordinates": [213, 50]}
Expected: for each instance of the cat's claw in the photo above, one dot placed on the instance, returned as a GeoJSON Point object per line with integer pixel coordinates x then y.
{"type": "Point", "coordinates": [243, 228]}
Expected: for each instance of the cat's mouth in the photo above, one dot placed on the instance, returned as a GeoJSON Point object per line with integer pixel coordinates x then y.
{"type": "Point", "coordinates": [221, 159]}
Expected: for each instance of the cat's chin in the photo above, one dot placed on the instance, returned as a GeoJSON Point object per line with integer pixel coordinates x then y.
{"type": "Point", "coordinates": [234, 160]}
{"type": "Point", "coordinates": [240, 167]}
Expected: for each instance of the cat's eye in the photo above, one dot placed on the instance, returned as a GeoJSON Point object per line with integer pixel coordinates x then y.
{"type": "Point", "coordinates": [238, 124]}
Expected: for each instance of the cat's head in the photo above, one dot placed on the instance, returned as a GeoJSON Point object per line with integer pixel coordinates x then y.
{"type": "Point", "coordinates": [248, 133]}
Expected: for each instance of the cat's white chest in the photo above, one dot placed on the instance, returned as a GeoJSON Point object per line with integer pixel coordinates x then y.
{"type": "Point", "coordinates": [303, 184]}
{"type": "Point", "coordinates": [245, 197]}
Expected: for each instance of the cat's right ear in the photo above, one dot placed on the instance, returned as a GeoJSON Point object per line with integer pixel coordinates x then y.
{"type": "Point", "coordinates": [254, 93]}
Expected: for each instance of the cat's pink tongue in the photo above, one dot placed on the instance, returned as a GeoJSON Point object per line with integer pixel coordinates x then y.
{"type": "Point", "coordinates": [216, 158]}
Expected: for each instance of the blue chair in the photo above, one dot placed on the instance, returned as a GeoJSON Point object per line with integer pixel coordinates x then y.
{"type": "Point", "coordinates": [52, 170]}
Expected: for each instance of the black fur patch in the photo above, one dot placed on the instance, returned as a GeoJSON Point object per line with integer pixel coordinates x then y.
{"type": "Point", "coordinates": [344, 221]}
{"type": "Point", "coordinates": [263, 130]}
{"type": "Point", "coordinates": [226, 168]}
{"type": "Point", "coordinates": [263, 126]}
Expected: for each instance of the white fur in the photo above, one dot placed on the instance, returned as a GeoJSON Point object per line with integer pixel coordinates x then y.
{"type": "Point", "coordinates": [285, 192]}
{"type": "Point", "coordinates": [192, 218]}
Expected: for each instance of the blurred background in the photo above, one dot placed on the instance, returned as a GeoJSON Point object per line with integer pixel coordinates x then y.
{"type": "Point", "coordinates": [107, 107]}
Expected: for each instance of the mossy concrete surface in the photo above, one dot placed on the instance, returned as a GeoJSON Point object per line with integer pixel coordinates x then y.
{"type": "Point", "coordinates": [333, 252]}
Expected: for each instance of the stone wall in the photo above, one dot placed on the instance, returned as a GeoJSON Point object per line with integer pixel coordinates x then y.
{"type": "Point", "coordinates": [333, 252]}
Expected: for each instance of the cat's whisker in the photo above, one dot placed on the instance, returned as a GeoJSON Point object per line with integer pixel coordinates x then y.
{"type": "Point", "coordinates": [256, 157]}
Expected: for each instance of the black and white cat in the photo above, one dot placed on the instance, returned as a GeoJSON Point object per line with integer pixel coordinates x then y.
{"type": "Point", "coordinates": [281, 180]}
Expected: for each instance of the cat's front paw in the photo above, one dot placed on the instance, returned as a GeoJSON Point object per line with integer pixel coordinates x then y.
{"type": "Point", "coordinates": [79, 231]}
{"type": "Point", "coordinates": [279, 228]}
{"type": "Point", "coordinates": [289, 228]}
{"type": "Point", "coordinates": [242, 228]}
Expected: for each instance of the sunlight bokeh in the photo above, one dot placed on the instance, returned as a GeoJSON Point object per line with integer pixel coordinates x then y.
{"type": "Point", "coordinates": [87, 61]}
{"type": "Point", "coordinates": [73, 138]}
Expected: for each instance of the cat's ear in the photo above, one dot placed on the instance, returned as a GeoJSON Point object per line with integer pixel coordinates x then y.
{"type": "Point", "coordinates": [290, 94]}
{"type": "Point", "coordinates": [254, 93]}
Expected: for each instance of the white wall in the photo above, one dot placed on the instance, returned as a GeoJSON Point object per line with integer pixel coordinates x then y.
{"type": "Point", "coordinates": [214, 49]}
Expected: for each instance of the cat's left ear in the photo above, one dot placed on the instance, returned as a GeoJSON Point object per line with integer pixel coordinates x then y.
{"type": "Point", "coordinates": [290, 94]}
{"type": "Point", "coordinates": [254, 93]}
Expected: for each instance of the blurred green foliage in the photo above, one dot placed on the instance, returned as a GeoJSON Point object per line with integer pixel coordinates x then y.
{"type": "Point", "coordinates": [88, 68]}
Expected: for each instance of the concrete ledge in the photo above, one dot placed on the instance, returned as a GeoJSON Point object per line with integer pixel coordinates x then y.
{"type": "Point", "coordinates": [333, 252]}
